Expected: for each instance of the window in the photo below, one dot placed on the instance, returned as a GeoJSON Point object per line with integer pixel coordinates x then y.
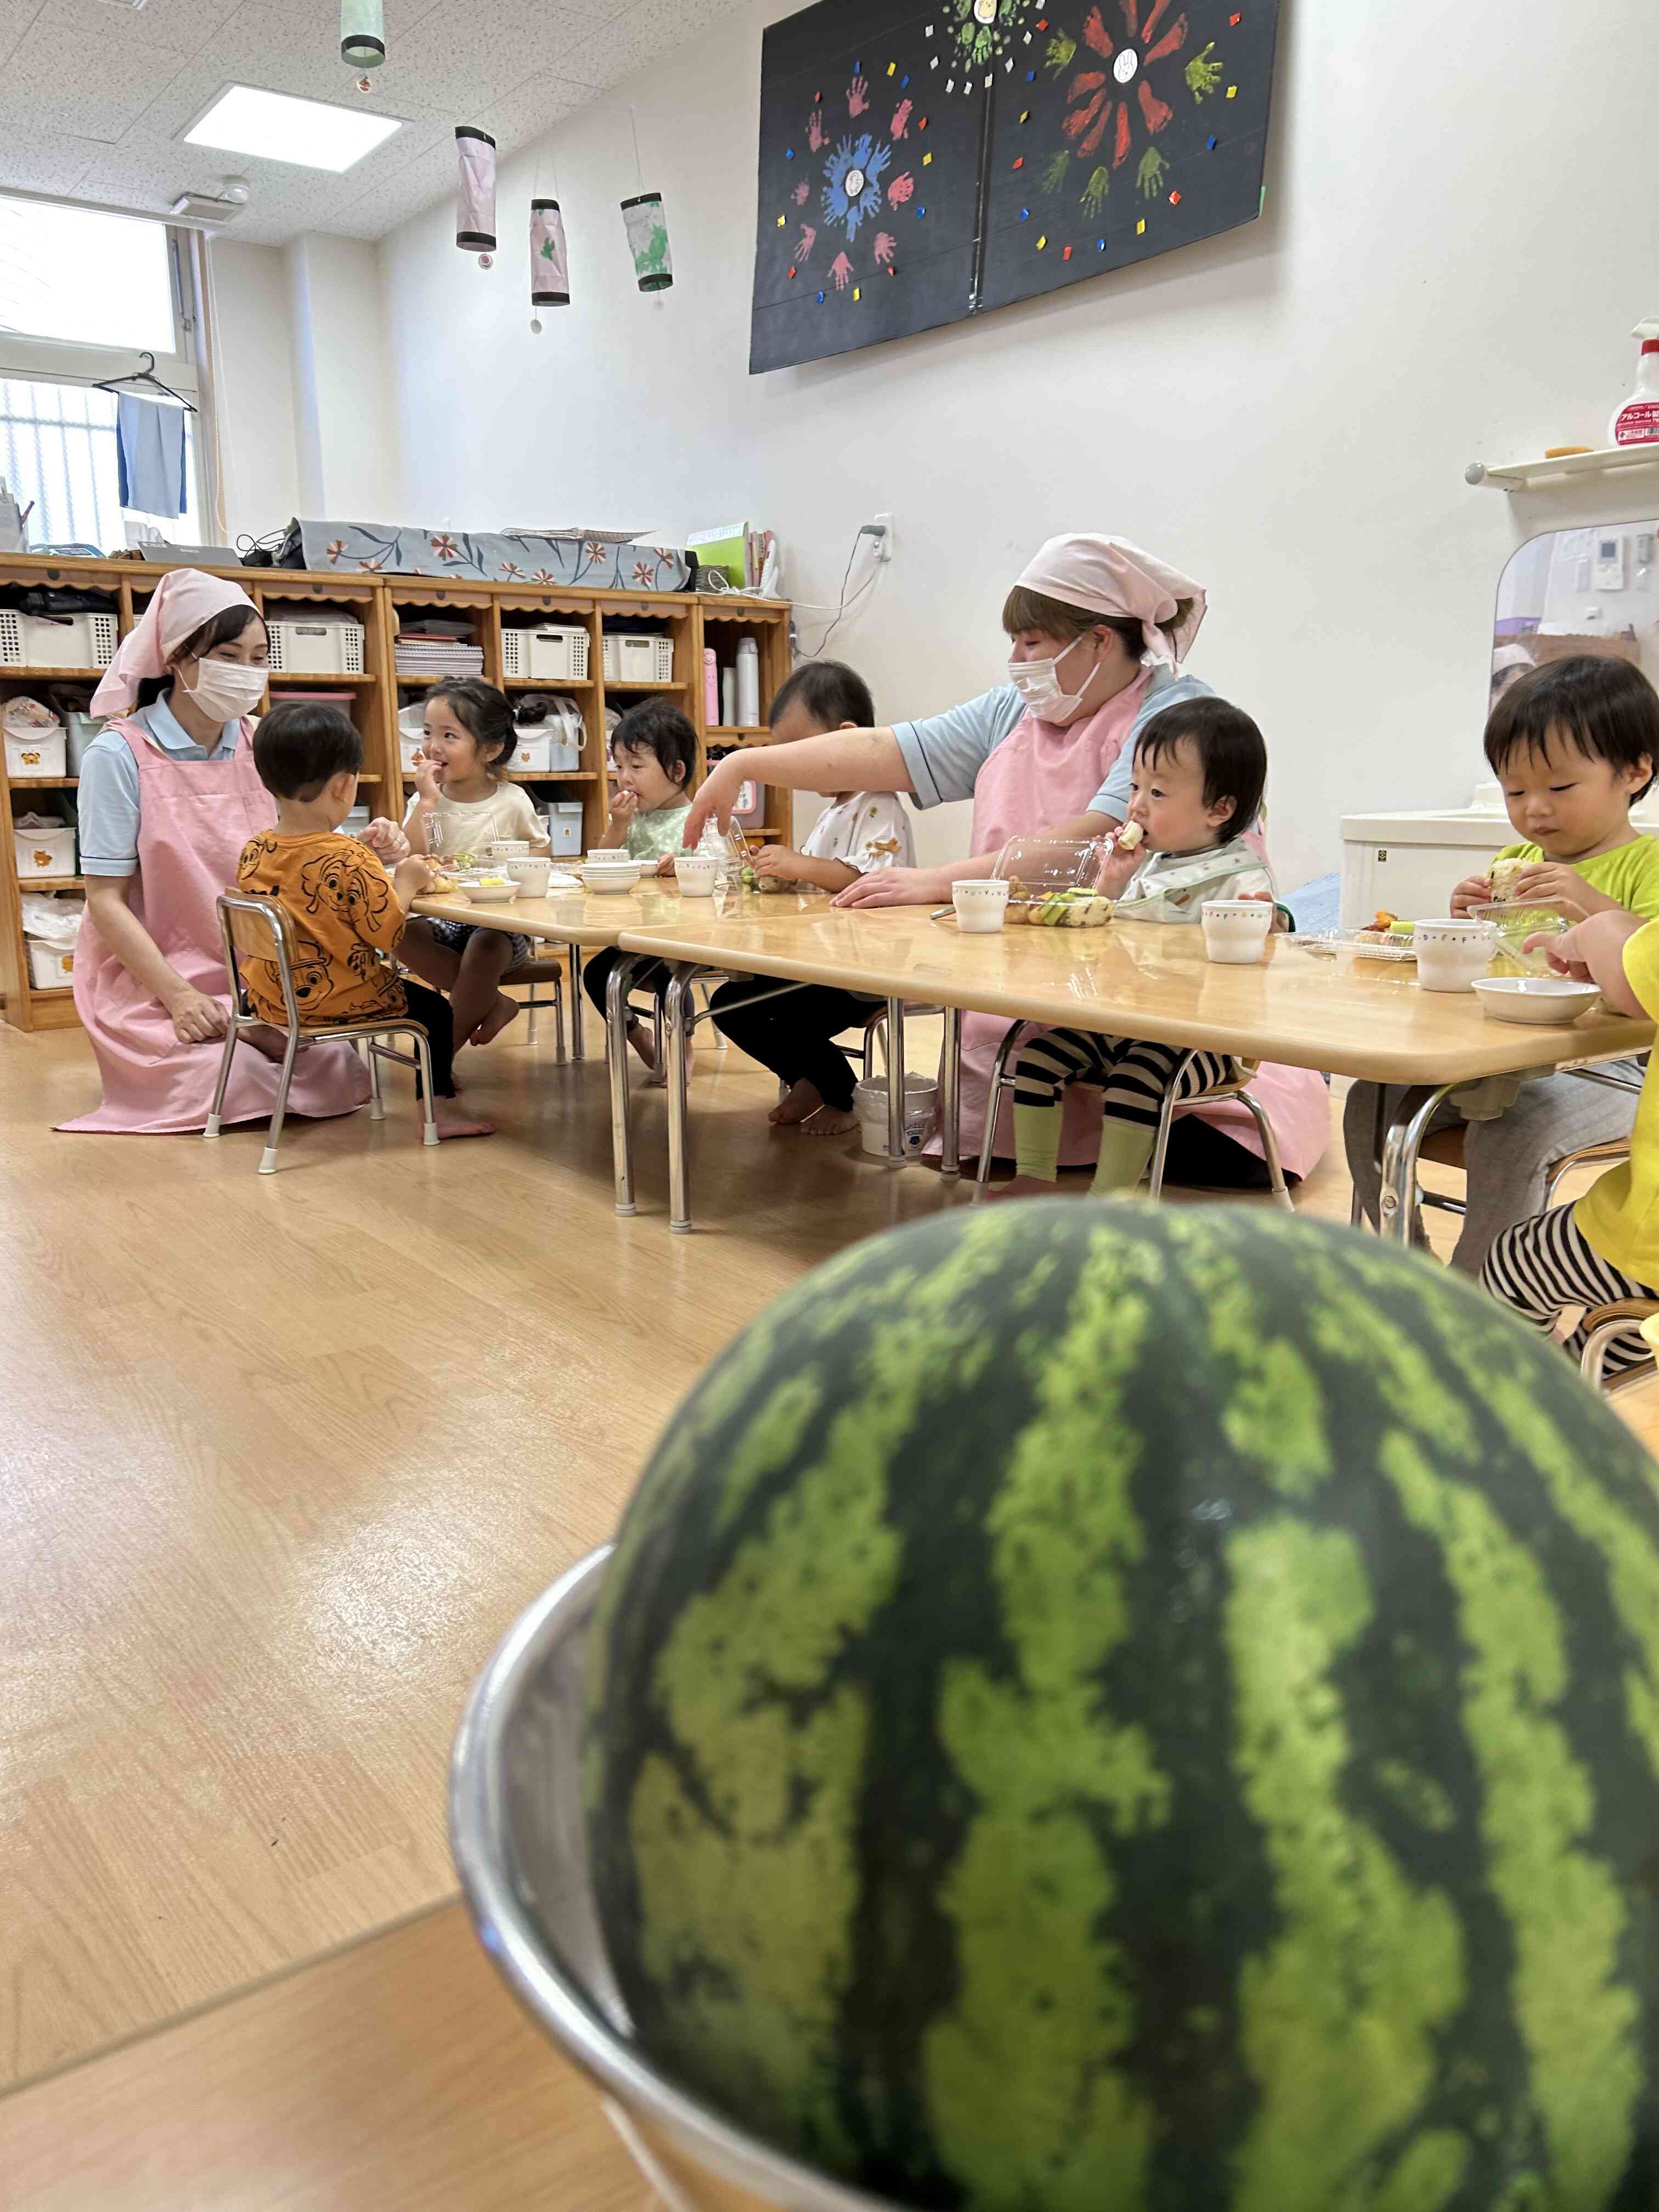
{"type": "Point", "coordinates": [83, 295]}
{"type": "Point", "coordinates": [94, 279]}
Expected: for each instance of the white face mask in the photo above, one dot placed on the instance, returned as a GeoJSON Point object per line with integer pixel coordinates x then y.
{"type": "Point", "coordinates": [225, 690]}
{"type": "Point", "coordinates": [1037, 683]}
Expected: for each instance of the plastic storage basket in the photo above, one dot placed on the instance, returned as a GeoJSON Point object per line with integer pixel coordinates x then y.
{"type": "Point", "coordinates": [552, 653]}
{"type": "Point", "coordinates": [79, 640]}
{"type": "Point", "coordinates": [632, 657]}
{"type": "Point", "coordinates": [330, 645]}
{"type": "Point", "coordinates": [44, 852]}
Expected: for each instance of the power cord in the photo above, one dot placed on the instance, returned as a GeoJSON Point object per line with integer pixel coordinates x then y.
{"type": "Point", "coordinates": [844, 606]}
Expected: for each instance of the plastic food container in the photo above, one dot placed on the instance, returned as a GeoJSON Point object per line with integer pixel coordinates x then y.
{"type": "Point", "coordinates": [1051, 882]}
{"type": "Point", "coordinates": [1515, 924]}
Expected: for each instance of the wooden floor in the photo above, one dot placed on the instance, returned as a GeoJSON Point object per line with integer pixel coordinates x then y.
{"type": "Point", "coordinates": [280, 1459]}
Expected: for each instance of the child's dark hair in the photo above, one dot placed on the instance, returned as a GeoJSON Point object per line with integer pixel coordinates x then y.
{"type": "Point", "coordinates": [486, 715]}
{"type": "Point", "coordinates": [222, 629]}
{"type": "Point", "coordinates": [1231, 751]}
{"type": "Point", "coordinates": [656, 728]}
{"type": "Point", "coordinates": [303, 745]}
{"type": "Point", "coordinates": [1608, 708]}
{"type": "Point", "coordinates": [830, 692]}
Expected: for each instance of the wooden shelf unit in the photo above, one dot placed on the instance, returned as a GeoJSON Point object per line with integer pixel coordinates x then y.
{"type": "Point", "coordinates": [692, 621]}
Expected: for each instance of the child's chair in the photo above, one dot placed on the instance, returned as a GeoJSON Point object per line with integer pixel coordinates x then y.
{"type": "Point", "coordinates": [1002, 1085]}
{"type": "Point", "coordinates": [1630, 1316]}
{"type": "Point", "coordinates": [530, 974]}
{"type": "Point", "coordinates": [259, 929]}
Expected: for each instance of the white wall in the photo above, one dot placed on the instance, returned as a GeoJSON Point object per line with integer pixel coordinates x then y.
{"type": "Point", "coordinates": [1286, 412]}
{"type": "Point", "coordinates": [306, 420]}
{"type": "Point", "coordinates": [259, 459]}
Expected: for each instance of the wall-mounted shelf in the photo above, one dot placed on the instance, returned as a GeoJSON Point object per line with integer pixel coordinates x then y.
{"type": "Point", "coordinates": [44, 782]}
{"type": "Point", "coordinates": [315, 677]}
{"type": "Point", "coordinates": [1520, 476]}
{"type": "Point", "coordinates": [548, 683]}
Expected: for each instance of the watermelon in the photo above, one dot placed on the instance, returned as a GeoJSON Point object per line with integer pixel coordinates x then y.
{"type": "Point", "coordinates": [1098, 1707]}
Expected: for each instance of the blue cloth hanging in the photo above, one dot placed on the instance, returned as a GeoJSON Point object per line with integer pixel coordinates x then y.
{"type": "Point", "coordinates": [149, 450]}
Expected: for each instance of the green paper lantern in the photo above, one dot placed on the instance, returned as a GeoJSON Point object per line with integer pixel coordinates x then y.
{"type": "Point", "coordinates": [362, 32]}
{"type": "Point", "coordinates": [648, 241]}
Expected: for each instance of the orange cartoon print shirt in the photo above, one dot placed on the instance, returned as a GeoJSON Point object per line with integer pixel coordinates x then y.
{"type": "Point", "coordinates": [346, 921]}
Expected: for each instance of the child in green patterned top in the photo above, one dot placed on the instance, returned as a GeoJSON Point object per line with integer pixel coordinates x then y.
{"type": "Point", "coordinates": [653, 757]}
{"type": "Point", "coordinates": [1575, 744]}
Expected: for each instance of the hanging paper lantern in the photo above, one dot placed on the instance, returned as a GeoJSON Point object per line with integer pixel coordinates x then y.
{"type": "Point", "coordinates": [475, 190]}
{"type": "Point", "coordinates": [549, 274]}
{"type": "Point", "coordinates": [362, 32]}
{"type": "Point", "coordinates": [648, 241]}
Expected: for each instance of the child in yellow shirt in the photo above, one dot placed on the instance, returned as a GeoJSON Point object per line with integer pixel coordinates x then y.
{"type": "Point", "coordinates": [1606, 1247]}
{"type": "Point", "coordinates": [347, 914]}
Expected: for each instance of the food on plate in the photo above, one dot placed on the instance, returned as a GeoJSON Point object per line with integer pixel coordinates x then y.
{"type": "Point", "coordinates": [1075, 908]}
{"type": "Point", "coordinates": [1386, 928]}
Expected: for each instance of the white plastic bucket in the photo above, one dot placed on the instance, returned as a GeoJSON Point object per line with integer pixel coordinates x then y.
{"type": "Point", "coordinates": [920, 1108]}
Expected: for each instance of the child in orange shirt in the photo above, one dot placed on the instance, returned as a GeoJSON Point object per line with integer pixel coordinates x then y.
{"type": "Point", "coordinates": [347, 916]}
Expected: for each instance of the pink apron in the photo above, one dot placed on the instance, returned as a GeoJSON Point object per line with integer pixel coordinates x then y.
{"type": "Point", "coordinates": [195, 816]}
{"type": "Point", "coordinates": [1039, 774]}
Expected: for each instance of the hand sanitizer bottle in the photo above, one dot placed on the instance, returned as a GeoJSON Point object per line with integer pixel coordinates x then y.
{"type": "Point", "coordinates": [1636, 422]}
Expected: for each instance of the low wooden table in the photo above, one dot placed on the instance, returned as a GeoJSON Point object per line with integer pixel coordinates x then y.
{"type": "Point", "coordinates": [1345, 1015]}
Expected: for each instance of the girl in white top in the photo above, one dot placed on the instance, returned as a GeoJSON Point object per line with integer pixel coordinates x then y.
{"type": "Point", "coordinates": [861, 831]}
{"type": "Point", "coordinates": [462, 805]}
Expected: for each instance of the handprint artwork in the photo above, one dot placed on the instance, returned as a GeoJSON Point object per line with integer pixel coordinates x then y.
{"type": "Point", "coordinates": [980, 152]}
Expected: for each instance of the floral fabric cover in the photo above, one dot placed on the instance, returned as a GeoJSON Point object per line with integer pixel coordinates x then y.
{"type": "Point", "coordinates": [490, 557]}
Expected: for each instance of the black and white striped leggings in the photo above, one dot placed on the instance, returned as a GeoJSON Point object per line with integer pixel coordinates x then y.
{"type": "Point", "coordinates": [1544, 1266]}
{"type": "Point", "coordinates": [1133, 1075]}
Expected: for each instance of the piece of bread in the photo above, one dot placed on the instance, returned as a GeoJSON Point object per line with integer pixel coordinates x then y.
{"type": "Point", "coordinates": [1505, 874]}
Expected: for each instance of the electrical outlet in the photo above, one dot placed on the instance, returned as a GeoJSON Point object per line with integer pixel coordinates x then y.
{"type": "Point", "coordinates": [884, 524]}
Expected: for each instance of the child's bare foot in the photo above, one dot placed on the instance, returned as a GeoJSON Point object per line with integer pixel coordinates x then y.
{"type": "Point", "coordinates": [504, 1011]}
{"type": "Point", "coordinates": [454, 1120]}
{"type": "Point", "coordinates": [643, 1043]}
{"type": "Point", "coordinates": [1021, 1187]}
{"type": "Point", "coordinates": [803, 1098]}
{"type": "Point", "coordinates": [829, 1121]}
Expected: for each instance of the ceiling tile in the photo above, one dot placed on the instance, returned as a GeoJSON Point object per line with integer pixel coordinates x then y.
{"type": "Point", "coordinates": [184, 25]}
{"type": "Point", "coordinates": [15, 16]}
{"type": "Point", "coordinates": [533, 109]}
{"type": "Point", "coordinates": [42, 164]}
{"type": "Point", "coordinates": [645, 31]}
{"type": "Point", "coordinates": [48, 80]}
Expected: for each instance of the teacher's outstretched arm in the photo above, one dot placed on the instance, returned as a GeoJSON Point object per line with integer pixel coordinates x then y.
{"type": "Point", "coordinates": [841, 760]}
{"type": "Point", "coordinates": [195, 1017]}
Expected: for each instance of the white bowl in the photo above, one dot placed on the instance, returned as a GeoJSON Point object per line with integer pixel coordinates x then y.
{"type": "Point", "coordinates": [507, 848]}
{"type": "Point", "coordinates": [611, 878]}
{"type": "Point", "coordinates": [492, 894]}
{"type": "Point", "coordinates": [1548, 1000]}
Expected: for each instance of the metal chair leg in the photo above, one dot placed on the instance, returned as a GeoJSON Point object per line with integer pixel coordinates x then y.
{"type": "Point", "coordinates": [1161, 1145]}
{"type": "Point", "coordinates": [233, 1037]}
{"type": "Point", "coordinates": [274, 1134]}
{"type": "Point", "coordinates": [1407, 1128]}
{"type": "Point", "coordinates": [560, 1055]}
{"type": "Point", "coordinates": [993, 1103]}
{"type": "Point", "coordinates": [616, 1047]}
{"type": "Point", "coordinates": [423, 1066]}
{"type": "Point", "coordinates": [376, 1100]}
{"type": "Point", "coordinates": [577, 1039]}
{"type": "Point", "coordinates": [950, 1094]}
{"type": "Point", "coordinates": [1597, 1344]}
{"type": "Point", "coordinates": [1270, 1150]}
{"type": "Point", "coordinates": [677, 1017]}
{"type": "Point", "coordinates": [870, 1029]}
{"type": "Point", "coordinates": [895, 1079]}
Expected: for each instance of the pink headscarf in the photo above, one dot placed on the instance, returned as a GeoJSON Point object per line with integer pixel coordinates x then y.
{"type": "Point", "coordinates": [1109, 576]}
{"type": "Point", "coordinates": [183, 600]}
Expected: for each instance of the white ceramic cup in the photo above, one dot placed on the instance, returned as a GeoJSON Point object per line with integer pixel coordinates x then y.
{"type": "Point", "coordinates": [508, 848]}
{"type": "Point", "coordinates": [1236, 931]}
{"type": "Point", "coordinates": [695, 874]}
{"type": "Point", "coordinates": [1451, 954]}
{"type": "Point", "coordinates": [529, 873]}
{"type": "Point", "coordinates": [982, 903]}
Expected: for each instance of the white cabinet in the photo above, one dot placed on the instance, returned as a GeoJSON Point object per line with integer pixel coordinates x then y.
{"type": "Point", "coordinates": [1409, 862]}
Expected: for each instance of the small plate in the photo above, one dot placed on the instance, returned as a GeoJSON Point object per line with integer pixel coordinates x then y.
{"type": "Point", "coordinates": [492, 894]}
{"type": "Point", "coordinates": [1549, 1001]}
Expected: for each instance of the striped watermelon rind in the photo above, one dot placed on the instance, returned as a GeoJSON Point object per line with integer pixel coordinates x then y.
{"type": "Point", "coordinates": [1118, 1707]}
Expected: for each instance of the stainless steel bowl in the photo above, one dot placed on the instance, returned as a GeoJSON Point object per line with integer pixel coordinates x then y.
{"type": "Point", "coordinates": [515, 1827]}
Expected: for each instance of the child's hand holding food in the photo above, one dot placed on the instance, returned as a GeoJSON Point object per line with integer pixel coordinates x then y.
{"type": "Point", "coordinates": [425, 773]}
{"type": "Point", "coordinates": [774, 861]}
{"type": "Point", "coordinates": [1473, 891]}
{"type": "Point", "coordinates": [624, 806]}
{"type": "Point", "coordinates": [1562, 887]}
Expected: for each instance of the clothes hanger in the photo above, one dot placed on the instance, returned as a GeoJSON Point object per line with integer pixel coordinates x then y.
{"type": "Point", "coordinates": [146, 376]}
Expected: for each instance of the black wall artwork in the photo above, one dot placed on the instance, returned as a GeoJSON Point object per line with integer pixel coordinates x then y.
{"type": "Point", "coordinates": [918, 167]}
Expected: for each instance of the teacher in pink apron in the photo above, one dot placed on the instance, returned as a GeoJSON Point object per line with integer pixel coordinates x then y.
{"type": "Point", "coordinates": [168, 796]}
{"type": "Point", "coordinates": [1099, 629]}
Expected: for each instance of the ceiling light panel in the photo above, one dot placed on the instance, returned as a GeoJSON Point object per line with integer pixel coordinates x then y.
{"type": "Point", "coordinates": [275, 126]}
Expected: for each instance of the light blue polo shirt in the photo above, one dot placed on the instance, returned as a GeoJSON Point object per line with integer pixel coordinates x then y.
{"type": "Point", "coordinates": [108, 795]}
{"type": "Point", "coordinates": [945, 753]}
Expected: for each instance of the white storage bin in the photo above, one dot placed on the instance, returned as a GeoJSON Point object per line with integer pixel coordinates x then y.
{"type": "Point", "coordinates": [45, 852]}
{"type": "Point", "coordinates": [37, 756]}
{"type": "Point", "coordinates": [552, 652]}
{"type": "Point", "coordinates": [632, 657]}
{"type": "Point", "coordinates": [564, 827]}
{"type": "Point", "coordinates": [50, 968]}
{"type": "Point", "coordinates": [330, 645]}
{"type": "Point", "coordinates": [82, 730]}
{"type": "Point", "coordinates": [534, 751]}
{"type": "Point", "coordinates": [82, 640]}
